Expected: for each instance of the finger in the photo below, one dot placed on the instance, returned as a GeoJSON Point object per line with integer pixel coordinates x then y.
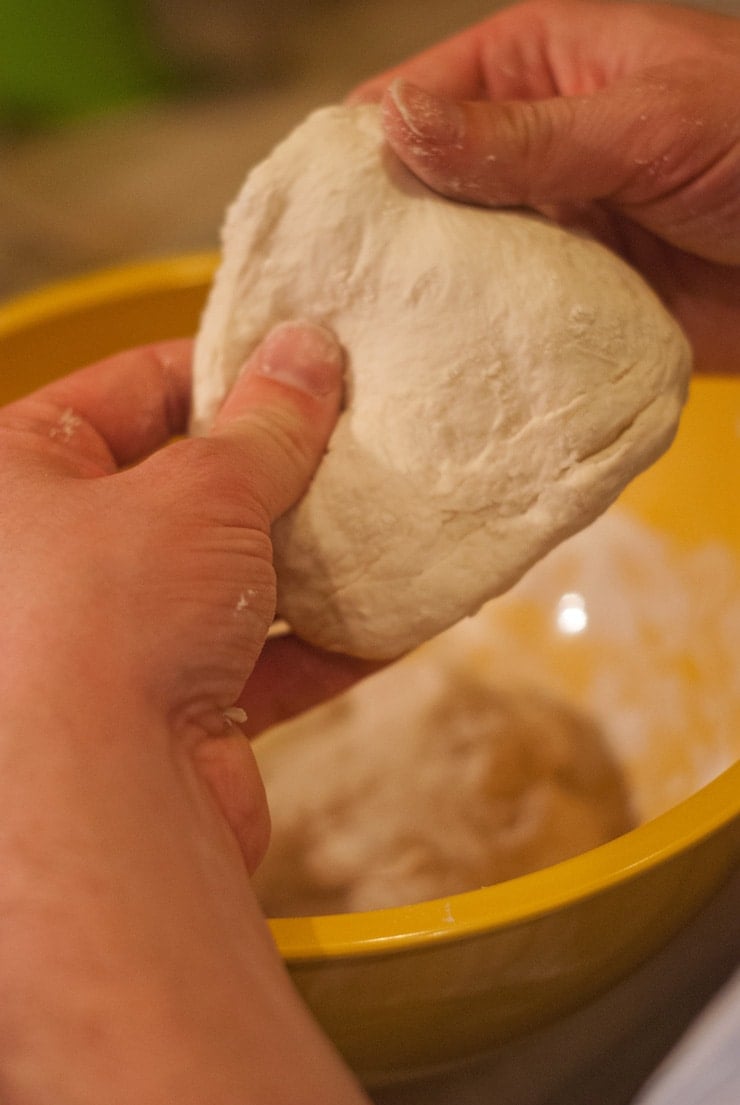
{"type": "Point", "coordinates": [670, 168]}
{"type": "Point", "coordinates": [546, 151]}
{"type": "Point", "coordinates": [114, 412]}
{"type": "Point", "coordinates": [291, 677]}
{"type": "Point", "coordinates": [277, 419]}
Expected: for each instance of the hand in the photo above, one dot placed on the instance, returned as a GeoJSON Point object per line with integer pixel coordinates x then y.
{"type": "Point", "coordinates": [136, 589]}
{"type": "Point", "coordinates": [620, 118]}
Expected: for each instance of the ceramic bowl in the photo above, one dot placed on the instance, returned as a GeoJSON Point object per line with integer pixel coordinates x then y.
{"type": "Point", "coordinates": [653, 653]}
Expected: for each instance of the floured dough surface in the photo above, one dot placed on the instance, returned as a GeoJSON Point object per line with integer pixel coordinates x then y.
{"type": "Point", "coordinates": [423, 782]}
{"type": "Point", "coordinates": [506, 378]}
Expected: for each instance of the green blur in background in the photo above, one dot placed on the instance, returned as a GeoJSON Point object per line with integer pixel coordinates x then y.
{"type": "Point", "coordinates": [61, 59]}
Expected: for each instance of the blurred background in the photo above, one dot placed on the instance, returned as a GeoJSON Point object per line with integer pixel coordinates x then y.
{"type": "Point", "coordinates": [126, 126]}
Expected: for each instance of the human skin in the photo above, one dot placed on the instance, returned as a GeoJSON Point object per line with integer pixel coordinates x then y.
{"type": "Point", "coordinates": [619, 118]}
{"type": "Point", "coordinates": [136, 585]}
{"type": "Point", "coordinates": [136, 589]}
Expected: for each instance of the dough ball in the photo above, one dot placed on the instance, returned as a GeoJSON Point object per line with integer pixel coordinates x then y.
{"type": "Point", "coordinates": [439, 783]}
{"type": "Point", "coordinates": [506, 378]}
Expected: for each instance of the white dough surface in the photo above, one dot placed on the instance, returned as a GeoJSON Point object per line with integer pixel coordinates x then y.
{"type": "Point", "coordinates": [506, 378]}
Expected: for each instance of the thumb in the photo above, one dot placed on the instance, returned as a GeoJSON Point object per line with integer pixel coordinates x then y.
{"type": "Point", "coordinates": [560, 150]}
{"type": "Point", "coordinates": [278, 416]}
{"type": "Point", "coordinates": [511, 153]}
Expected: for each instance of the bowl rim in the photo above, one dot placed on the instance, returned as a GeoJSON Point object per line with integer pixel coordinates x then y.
{"type": "Point", "coordinates": [105, 285]}
{"type": "Point", "coordinates": [455, 917]}
{"type": "Point", "coordinates": [517, 901]}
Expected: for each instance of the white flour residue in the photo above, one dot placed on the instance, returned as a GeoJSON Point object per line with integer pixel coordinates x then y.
{"type": "Point", "coordinates": [66, 425]}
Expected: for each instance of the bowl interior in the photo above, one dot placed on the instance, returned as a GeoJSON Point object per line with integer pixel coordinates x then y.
{"type": "Point", "coordinates": [637, 619]}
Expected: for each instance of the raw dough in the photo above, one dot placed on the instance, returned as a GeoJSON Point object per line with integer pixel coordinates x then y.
{"type": "Point", "coordinates": [423, 782]}
{"type": "Point", "coordinates": [506, 379]}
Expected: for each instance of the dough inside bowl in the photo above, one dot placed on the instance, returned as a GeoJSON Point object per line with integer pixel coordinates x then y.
{"type": "Point", "coordinates": [506, 378]}
{"type": "Point", "coordinates": [428, 781]}
{"type": "Point", "coordinates": [596, 694]}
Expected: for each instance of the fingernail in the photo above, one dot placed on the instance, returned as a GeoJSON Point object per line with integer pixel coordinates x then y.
{"type": "Point", "coordinates": [427, 116]}
{"type": "Point", "coordinates": [304, 356]}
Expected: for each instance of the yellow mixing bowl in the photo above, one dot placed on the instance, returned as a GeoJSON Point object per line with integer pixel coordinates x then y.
{"type": "Point", "coordinates": [405, 989]}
